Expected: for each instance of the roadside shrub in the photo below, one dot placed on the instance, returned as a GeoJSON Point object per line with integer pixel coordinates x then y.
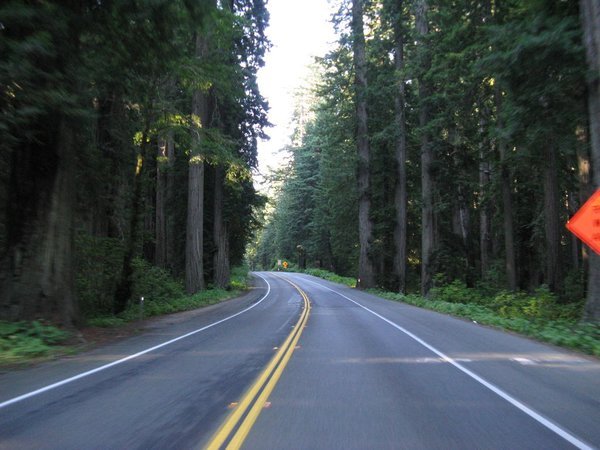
{"type": "Point", "coordinates": [542, 304]}
{"type": "Point", "coordinates": [106, 321]}
{"type": "Point", "coordinates": [98, 262]}
{"type": "Point", "coordinates": [574, 286]}
{"type": "Point", "coordinates": [455, 292]}
{"type": "Point", "coordinates": [163, 295]}
{"type": "Point", "coordinates": [564, 332]}
{"type": "Point", "coordinates": [239, 278]}
{"type": "Point", "coordinates": [538, 315]}
{"type": "Point", "coordinates": [326, 275]}
{"type": "Point", "coordinates": [153, 283]}
{"type": "Point", "coordinates": [21, 340]}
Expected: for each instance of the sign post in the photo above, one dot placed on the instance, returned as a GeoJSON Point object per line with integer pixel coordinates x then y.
{"type": "Point", "coordinates": [585, 224]}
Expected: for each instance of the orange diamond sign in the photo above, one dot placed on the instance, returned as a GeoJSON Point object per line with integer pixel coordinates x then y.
{"type": "Point", "coordinates": [585, 224]}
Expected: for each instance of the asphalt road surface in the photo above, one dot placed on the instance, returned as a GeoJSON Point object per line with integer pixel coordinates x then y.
{"type": "Point", "coordinates": [302, 363]}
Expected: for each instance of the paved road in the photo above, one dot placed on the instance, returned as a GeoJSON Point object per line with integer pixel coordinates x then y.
{"type": "Point", "coordinates": [363, 373]}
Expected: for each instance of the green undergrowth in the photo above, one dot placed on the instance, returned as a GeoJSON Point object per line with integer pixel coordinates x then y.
{"type": "Point", "coordinates": [565, 332]}
{"type": "Point", "coordinates": [539, 314]}
{"type": "Point", "coordinates": [157, 307]}
{"type": "Point", "coordinates": [330, 276]}
{"type": "Point", "coordinates": [21, 341]}
{"type": "Point", "coordinates": [161, 295]}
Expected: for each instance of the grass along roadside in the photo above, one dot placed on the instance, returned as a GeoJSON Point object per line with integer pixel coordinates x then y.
{"type": "Point", "coordinates": [568, 333]}
{"type": "Point", "coordinates": [347, 281]}
{"type": "Point", "coordinates": [24, 342]}
{"type": "Point", "coordinates": [172, 302]}
{"type": "Point", "coordinates": [538, 315]}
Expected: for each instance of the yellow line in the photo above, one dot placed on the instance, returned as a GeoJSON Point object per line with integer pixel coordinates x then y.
{"type": "Point", "coordinates": [246, 426]}
{"type": "Point", "coordinates": [227, 427]}
{"type": "Point", "coordinates": [254, 396]}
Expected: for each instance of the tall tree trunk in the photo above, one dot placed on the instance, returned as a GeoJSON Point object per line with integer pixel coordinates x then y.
{"type": "Point", "coordinates": [366, 277]}
{"type": "Point", "coordinates": [194, 251]}
{"type": "Point", "coordinates": [507, 207]}
{"type": "Point", "coordinates": [194, 247]}
{"type": "Point", "coordinates": [486, 212]}
{"type": "Point", "coordinates": [590, 16]}
{"type": "Point", "coordinates": [400, 194]}
{"type": "Point", "coordinates": [551, 221]}
{"type": "Point", "coordinates": [485, 235]}
{"type": "Point", "coordinates": [37, 265]}
{"type": "Point", "coordinates": [427, 182]}
{"type": "Point", "coordinates": [573, 205]}
{"type": "Point", "coordinates": [221, 235]}
{"type": "Point", "coordinates": [463, 221]}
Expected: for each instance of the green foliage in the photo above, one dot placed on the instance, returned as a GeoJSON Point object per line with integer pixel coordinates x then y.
{"type": "Point", "coordinates": [316, 204]}
{"type": "Point", "coordinates": [106, 321]}
{"type": "Point", "coordinates": [23, 340]}
{"type": "Point", "coordinates": [326, 275]}
{"type": "Point", "coordinates": [100, 76]}
{"type": "Point", "coordinates": [538, 315]}
{"type": "Point", "coordinates": [574, 285]}
{"type": "Point", "coordinates": [504, 77]}
{"type": "Point", "coordinates": [541, 304]}
{"type": "Point", "coordinates": [455, 292]}
{"type": "Point", "coordinates": [153, 283]}
{"type": "Point", "coordinates": [163, 295]}
{"type": "Point", "coordinates": [98, 265]}
{"type": "Point", "coordinates": [239, 278]}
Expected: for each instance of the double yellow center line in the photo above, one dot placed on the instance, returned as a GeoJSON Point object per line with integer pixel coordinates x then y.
{"type": "Point", "coordinates": [238, 424]}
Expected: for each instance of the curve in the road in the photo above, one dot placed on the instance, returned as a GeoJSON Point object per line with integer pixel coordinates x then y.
{"type": "Point", "coordinates": [569, 437]}
{"type": "Point", "coordinates": [130, 357]}
{"type": "Point", "coordinates": [236, 427]}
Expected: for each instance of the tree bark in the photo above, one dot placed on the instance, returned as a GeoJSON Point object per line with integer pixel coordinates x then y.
{"type": "Point", "coordinates": [194, 251]}
{"type": "Point", "coordinates": [37, 265]}
{"type": "Point", "coordinates": [572, 206]}
{"type": "Point", "coordinates": [590, 17]}
{"type": "Point", "coordinates": [400, 194]}
{"type": "Point", "coordinates": [221, 235]}
{"type": "Point", "coordinates": [485, 239]}
{"type": "Point", "coordinates": [194, 247]}
{"type": "Point", "coordinates": [507, 207]}
{"type": "Point", "coordinates": [551, 221]}
{"type": "Point", "coordinates": [366, 277]}
{"type": "Point", "coordinates": [427, 182]}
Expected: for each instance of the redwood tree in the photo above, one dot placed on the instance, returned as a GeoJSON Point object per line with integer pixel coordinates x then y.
{"type": "Point", "coordinates": [590, 16]}
{"type": "Point", "coordinates": [366, 278]}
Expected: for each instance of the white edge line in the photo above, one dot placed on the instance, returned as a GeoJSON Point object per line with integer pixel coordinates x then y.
{"type": "Point", "coordinates": [130, 357]}
{"type": "Point", "coordinates": [496, 390]}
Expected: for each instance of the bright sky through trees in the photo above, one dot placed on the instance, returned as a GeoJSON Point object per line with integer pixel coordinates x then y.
{"type": "Point", "coordinates": [299, 31]}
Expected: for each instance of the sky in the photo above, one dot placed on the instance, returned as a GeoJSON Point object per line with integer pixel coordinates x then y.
{"type": "Point", "coordinates": [298, 31]}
